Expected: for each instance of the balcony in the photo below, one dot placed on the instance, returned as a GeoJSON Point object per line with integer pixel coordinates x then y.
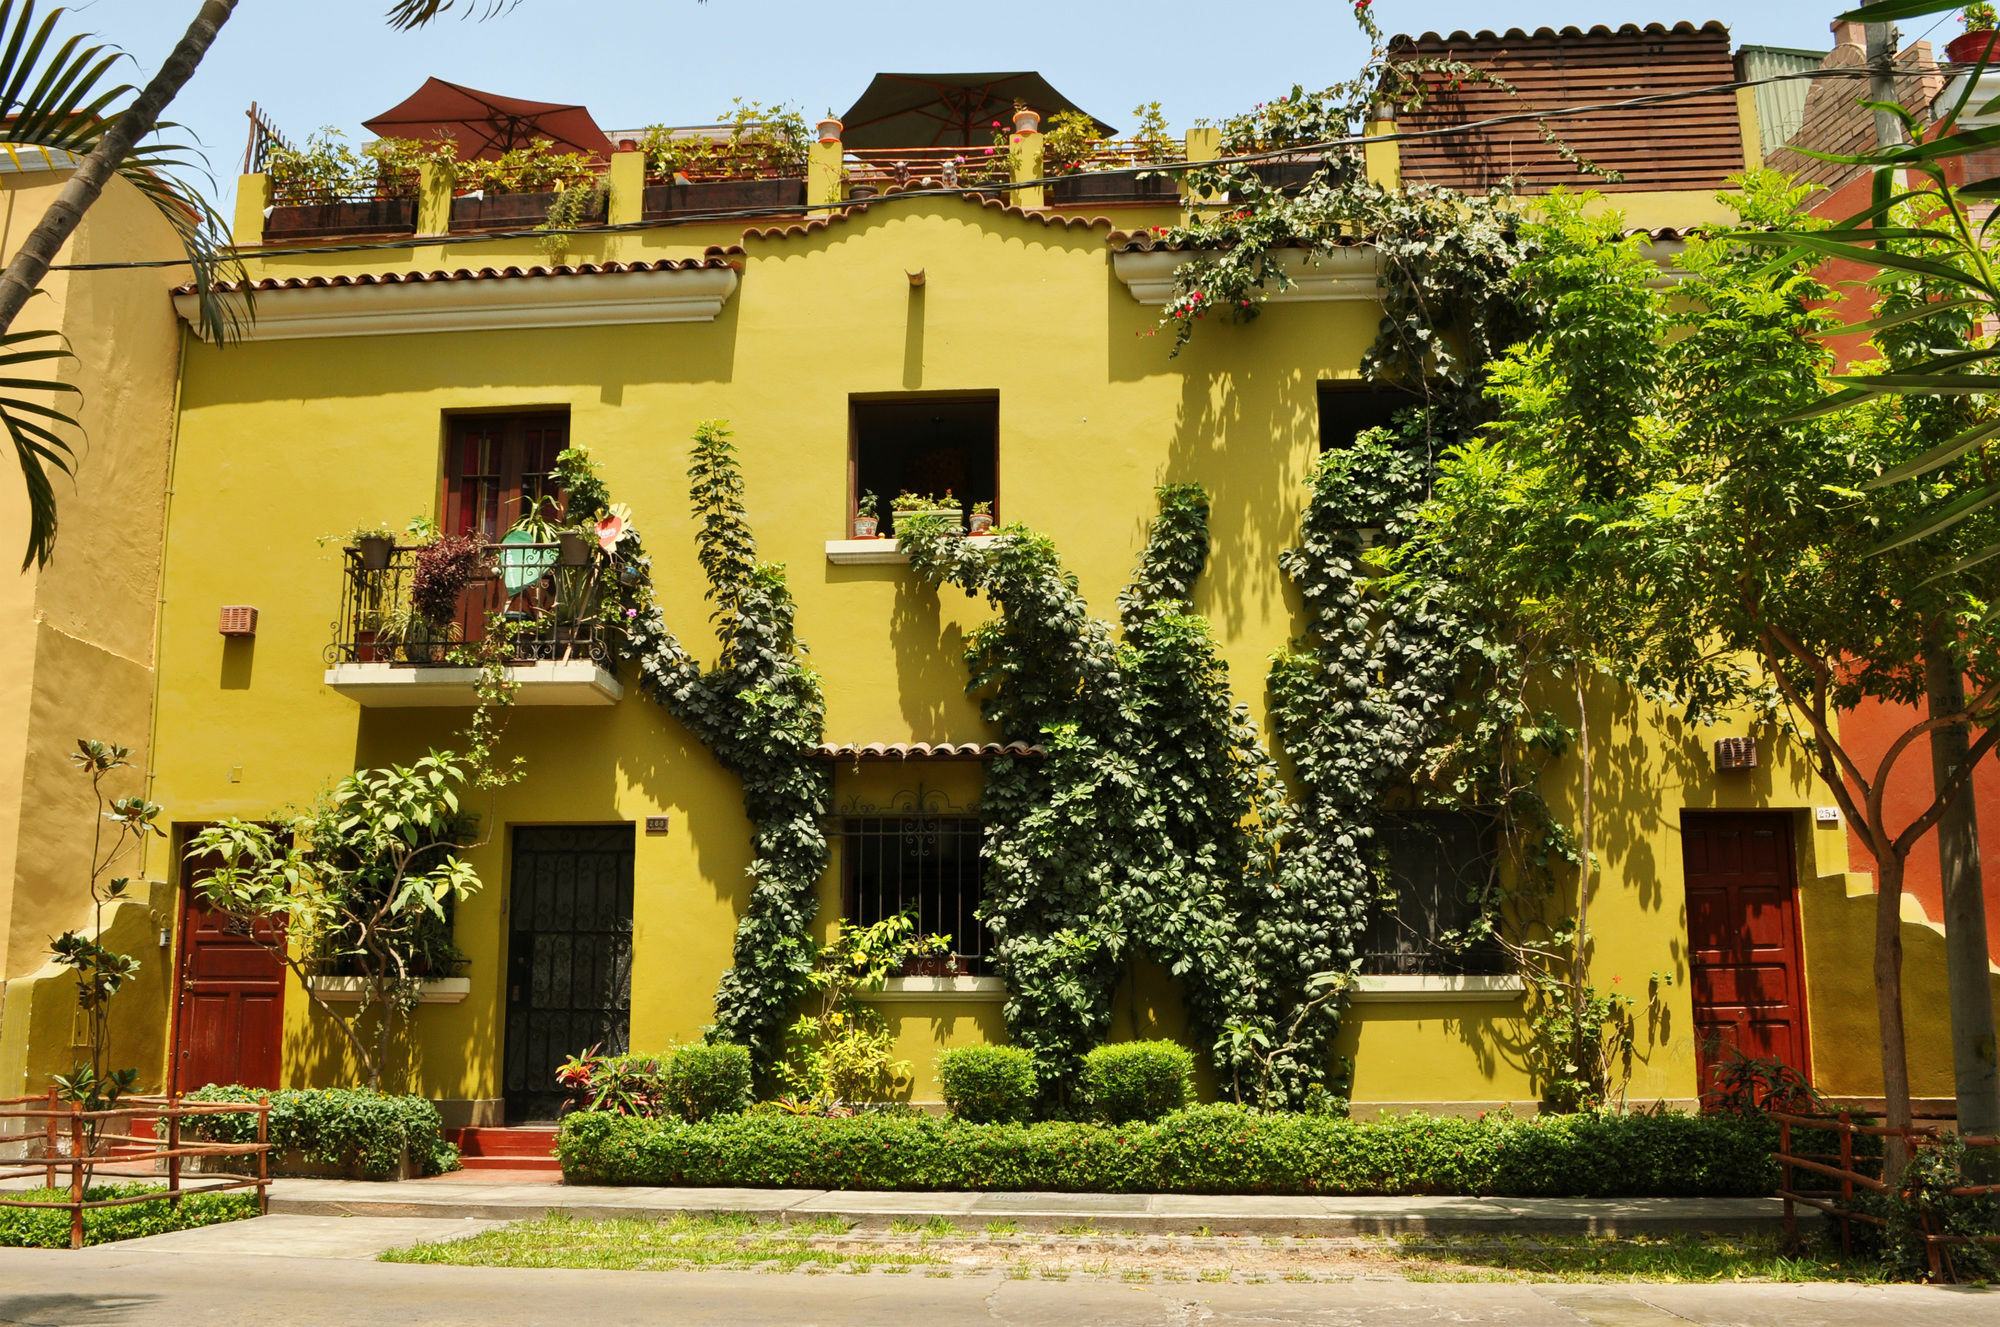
{"type": "Point", "coordinates": [386, 654]}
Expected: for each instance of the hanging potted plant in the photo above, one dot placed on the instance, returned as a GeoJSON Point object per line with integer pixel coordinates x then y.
{"type": "Point", "coordinates": [982, 518]}
{"type": "Point", "coordinates": [373, 543]}
{"type": "Point", "coordinates": [923, 504]}
{"type": "Point", "coordinates": [1976, 42]}
{"type": "Point", "coordinates": [574, 547]}
{"type": "Point", "coordinates": [867, 515]}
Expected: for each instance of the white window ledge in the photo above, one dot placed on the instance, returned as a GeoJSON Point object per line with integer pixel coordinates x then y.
{"type": "Point", "coordinates": [400, 686]}
{"type": "Point", "coordinates": [445, 990]}
{"type": "Point", "coordinates": [935, 990]}
{"type": "Point", "coordinates": [1382, 990]}
{"type": "Point", "coordinates": [882, 552]}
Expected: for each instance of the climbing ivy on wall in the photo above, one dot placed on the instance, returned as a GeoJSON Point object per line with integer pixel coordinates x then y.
{"type": "Point", "coordinates": [1152, 826]}
{"type": "Point", "coordinates": [759, 711]}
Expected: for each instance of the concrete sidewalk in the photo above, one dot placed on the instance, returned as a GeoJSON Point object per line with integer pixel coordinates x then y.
{"type": "Point", "coordinates": [446, 1198]}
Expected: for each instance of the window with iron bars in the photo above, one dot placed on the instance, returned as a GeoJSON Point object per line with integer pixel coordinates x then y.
{"type": "Point", "coordinates": [924, 865]}
{"type": "Point", "coordinates": [1436, 862]}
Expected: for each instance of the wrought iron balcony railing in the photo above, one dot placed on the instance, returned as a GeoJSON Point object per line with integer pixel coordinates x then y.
{"type": "Point", "coordinates": [551, 608]}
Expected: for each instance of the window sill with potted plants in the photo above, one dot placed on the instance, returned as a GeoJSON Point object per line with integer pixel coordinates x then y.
{"type": "Point", "coordinates": [869, 545]}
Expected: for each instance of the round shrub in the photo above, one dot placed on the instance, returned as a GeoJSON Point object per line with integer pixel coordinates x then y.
{"type": "Point", "coordinates": [988, 1084]}
{"type": "Point", "coordinates": [701, 1081]}
{"type": "Point", "coordinates": [1137, 1080]}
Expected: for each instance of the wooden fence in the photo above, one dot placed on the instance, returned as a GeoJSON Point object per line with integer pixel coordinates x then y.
{"type": "Point", "coordinates": [82, 1146]}
{"type": "Point", "coordinates": [1852, 1174]}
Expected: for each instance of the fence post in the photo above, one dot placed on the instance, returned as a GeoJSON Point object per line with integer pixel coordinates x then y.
{"type": "Point", "coordinates": [49, 1142]}
{"type": "Point", "coordinates": [263, 1154]}
{"type": "Point", "coordinates": [173, 1152]}
{"type": "Point", "coordinates": [1846, 1183]}
{"type": "Point", "coordinates": [76, 1174]}
{"type": "Point", "coordinates": [1785, 1184]}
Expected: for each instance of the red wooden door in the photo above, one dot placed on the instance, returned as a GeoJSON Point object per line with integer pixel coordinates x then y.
{"type": "Point", "coordinates": [1743, 928]}
{"type": "Point", "coordinates": [232, 1003]}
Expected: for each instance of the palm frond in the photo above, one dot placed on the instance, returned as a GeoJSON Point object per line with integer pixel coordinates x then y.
{"type": "Point", "coordinates": [406, 14]}
{"type": "Point", "coordinates": [38, 447]}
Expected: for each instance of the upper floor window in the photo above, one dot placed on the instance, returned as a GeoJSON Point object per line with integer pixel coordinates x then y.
{"type": "Point", "coordinates": [1437, 861]}
{"type": "Point", "coordinates": [927, 866]}
{"type": "Point", "coordinates": [928, 446]}
{"type": "Point", "coordinates": [1349, 409]}
{"type": "Point", "coordinates": [497, 467]}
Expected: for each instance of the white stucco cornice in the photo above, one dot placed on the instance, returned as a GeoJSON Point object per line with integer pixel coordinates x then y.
{"type": "Point", "coordinates": [481, 302]}
{"type": "Point", "coordinates": [1343, 274]}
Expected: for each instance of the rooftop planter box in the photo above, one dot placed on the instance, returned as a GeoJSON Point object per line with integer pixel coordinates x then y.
{"type": "Point", "coordinates": [1119, 188]}
{"type": "Point", "coordinates": [666, 200]}
{"type": "Point", "coordinates": [1288, 176]}
{"type": "Point", "coordinates": [370, 216]}
{"type": "Point", "coordinates": [516, 211]}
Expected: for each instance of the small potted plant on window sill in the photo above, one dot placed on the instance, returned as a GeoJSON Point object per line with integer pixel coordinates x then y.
{"type": "Point", "coordinates": [867, 515]}
{"type": "Point", "coordinates": [924, 504]}
{"type": "Point", "coordinates": [982, 518]}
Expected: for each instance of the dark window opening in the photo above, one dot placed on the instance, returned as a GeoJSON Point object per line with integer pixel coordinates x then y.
{"type": "Point", "coordinates": [1347, 411]}
{"type": "Point", "coordinates": [1437, 862]}
{"type": "Point", "coordinates": [927, 866]}
{"type": "Point", "coordinates": [926, 447]}
{"type": "Point", "coordinates": [497, 467]}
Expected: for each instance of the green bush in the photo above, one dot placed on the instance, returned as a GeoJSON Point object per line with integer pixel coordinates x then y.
{"type": "Point", "coordinates": [48, 1227]}
{"type": "Point", "coordinates": [1137, 1080]}
{"type": "Point", "coordinates": [1204, 1149]}
{"type": "Point", "coordinates": [337, 1126]}
{"type": "Point", "coordinates": [988, 1084]}
{"type": "Point", "coordinates": [701, 1081]}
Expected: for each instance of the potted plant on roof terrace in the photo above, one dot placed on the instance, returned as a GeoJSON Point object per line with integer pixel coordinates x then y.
{"type": "Point", "coordinates": [1976, 42]}
{"type": "Point", "coordinates": [753, 159]}
{"type": "Point", "coordinates": [528, 188]}
{"type": "Point", "coordinates": [327, 188]}
{"type": "Point", "coordinates": [1077, 158]}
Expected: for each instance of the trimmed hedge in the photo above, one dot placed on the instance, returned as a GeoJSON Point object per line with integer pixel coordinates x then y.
{"type": "Point", "coordinates": [988, 1084]}
{"type": "Point", "coordinates": [48, 1227]}
{"type": "Point", "coordinates": [1204, 1149]}
{"type": "Point", "coordinates": [1138, 1080]}
{"type": "Point", "coordinates": [337, 1126]}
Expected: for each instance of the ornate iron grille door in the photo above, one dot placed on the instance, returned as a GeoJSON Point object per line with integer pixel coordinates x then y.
{"type": "Point", "coordinates": [922, 864]}
{"type": "Point", "coordinates": [569, 957]}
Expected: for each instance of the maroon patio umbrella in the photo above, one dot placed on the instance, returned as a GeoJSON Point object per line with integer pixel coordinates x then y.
{"type": "Point", "coordinates": [485, 124]}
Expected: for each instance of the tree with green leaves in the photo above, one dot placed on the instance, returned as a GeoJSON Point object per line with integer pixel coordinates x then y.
{"type": "Point", "coordinates": [101, 971]}
{"type": "Point", "coordinates": [1656, 486]}
{"type": "Point", "coordinates": [1929, 239]}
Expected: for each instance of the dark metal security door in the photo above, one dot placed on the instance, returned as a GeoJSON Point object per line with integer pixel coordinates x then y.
{"type": "Point", "coordinates": [569, 957]}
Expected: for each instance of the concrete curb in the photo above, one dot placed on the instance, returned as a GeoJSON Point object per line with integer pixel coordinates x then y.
{"type": "Point", "coordinates": [1148, 1214]}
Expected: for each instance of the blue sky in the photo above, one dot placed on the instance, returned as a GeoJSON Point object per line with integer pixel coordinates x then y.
{"type": "Point", "coordinates": [636, 62]}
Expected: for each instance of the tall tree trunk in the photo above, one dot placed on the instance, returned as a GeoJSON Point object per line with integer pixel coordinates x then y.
{"type": "Point", "coordinates": [1975, 1073]}
{"type": "Point", "coordinates": [1889, 1009]}
{"type": "Point", "coordinates": [31, 262]}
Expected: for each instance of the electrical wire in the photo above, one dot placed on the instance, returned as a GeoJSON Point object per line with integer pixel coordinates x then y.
{"type": "Point", "coordinates": [1001, 186]}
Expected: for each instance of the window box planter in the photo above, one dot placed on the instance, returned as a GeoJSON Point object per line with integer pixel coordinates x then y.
{"type": "Point", "coordinates": [953, 516]}
{"type": "Point", "coordinates": [1122, 188]}
{"type": "Point", "coordinates": [439, 990]}
{"type": "Point", "coordinates": [378, 216]}
{"type": "Point", "coordinates": [515, 211]}
{"type": "Point", "coordinates": [666, 200]}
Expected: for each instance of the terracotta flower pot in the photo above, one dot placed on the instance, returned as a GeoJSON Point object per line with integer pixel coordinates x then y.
{"type": "Point", "coordinates": [829, 130]}
{"type": "Point", "coordinates": [982, 523]}
{"type": "Point", "coordinates": [1027, 121]}
{"type": "Point", "coordinates": [575, 548]}
{"type": "Point", "coordinates": [1971, 47]}
{"type": "Point", "coordinates": [865, 526]}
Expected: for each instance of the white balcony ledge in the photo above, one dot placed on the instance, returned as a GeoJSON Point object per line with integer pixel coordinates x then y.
{"type": "Point", "coordinates": [399, 686]}
{"type": "Point", "coordinates": [1405, 990]}
{"type": "Point", "coordinates": [1344, 274]}
{"type": "Point", "coordinates": [444, 990]}
{"type": "Point", "coordinates": [939, 990]}
{"type": "Point", "coordinates": [884, 552]}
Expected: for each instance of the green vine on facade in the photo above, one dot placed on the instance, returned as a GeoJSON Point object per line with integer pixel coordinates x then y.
{"type": "Point", "coordinates": [758, 710]}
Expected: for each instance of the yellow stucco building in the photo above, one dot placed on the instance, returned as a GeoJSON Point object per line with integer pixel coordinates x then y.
{"type": "Point", "coordinates": [918, 339]}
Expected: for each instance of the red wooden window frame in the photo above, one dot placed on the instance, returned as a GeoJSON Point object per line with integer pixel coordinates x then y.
{"type": "Point", "coordinates": [496, 467]}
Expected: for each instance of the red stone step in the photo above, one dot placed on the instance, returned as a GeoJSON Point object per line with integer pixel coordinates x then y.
{"type": "Point", "coordinates": [523, 1147]}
